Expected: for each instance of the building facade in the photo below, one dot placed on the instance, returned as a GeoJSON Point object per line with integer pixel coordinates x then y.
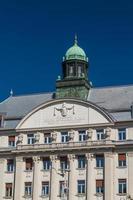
{"type": "Point", "coordinates": [74, 144]}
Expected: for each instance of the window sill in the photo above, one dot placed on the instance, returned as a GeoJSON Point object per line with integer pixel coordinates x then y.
{"type": "Point", "coordinates": [45, 170]}
{"type": "Point", "coordinates": [80, 169]}
{"type": "Point", "coordinates": [81, 195]}
{"type": "Point", "coordinates": [99, 194]}
{"type": "Point", "coordinates": [122, 167]}
{"type": "Point", "coordinates": [28, 171]}
{"type": "Point", "coordinates": [7, 197]}
{"type": "Point", "coordinates": [9, 172]}
{"type": "Point", "coordinates": [122, 194]}
{"type": "Point", "coordinates": [27, 196]}
{"type": "Point", "coordinates": [44, 196]}
{"type": "Point", "coordinates": [99, 168]}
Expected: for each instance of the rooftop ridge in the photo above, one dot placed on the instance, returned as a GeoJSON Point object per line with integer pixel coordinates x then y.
{"type": "Point", "coordinates": [113, 86]}
{"type": "Point", "coordinates": [32, 94]}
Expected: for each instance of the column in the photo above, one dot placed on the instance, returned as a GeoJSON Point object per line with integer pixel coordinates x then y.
{"type": "Point", "coordinates": [130, 174]}
{"type": "Point", "coordinates": [19, 182]}
{"type": "Point", "coordinates": [72, 178]}
{"type": "Point", "coordinates": [36, 178]}
{"type": "Point", "coordinates": [90, 176]}
{"type": "Point", "coordinates": [2, 177]}
{"type": "Point", "coordinates": [54, 183]}
{"type": "Point", "coordinates": [109, 176]}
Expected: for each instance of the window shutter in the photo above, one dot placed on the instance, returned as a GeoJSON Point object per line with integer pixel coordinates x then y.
{"type": "Point", "coordinates": [11, 138]}
{"type": "Point", "coordinates": [122, 156]}
{"type": "Point", "coordinates": [99, 183]}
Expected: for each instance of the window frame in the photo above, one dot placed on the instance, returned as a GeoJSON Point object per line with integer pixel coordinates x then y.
{"type": "Point", "coordinates": [30, 139]}
{"type": "Point", "coordinates": [82, 135]}
{"type": "Point", "coordinates": [81, 162]}
{"type": "Point", "coordinates": [122, 134]}
{"type": "Point", "coordinates": [28, 187]}
{"type": "Point", "coordinates": [64, 137]}
{"type": "Point", "coordinates": [8, 190]}
{"type": "Point", "coordinates": [81, 187]}
{"type": "Point", "coordinates": [10, 165]}
{"type": "Point", "coordinates": [122, 185]}
{"type": "Point", "coordinates": [100, 161]}
{"type": "Point", "coordinates": [100, 134]}
{"type": "Point", "coordinates": [121, 161]}
{"type": "Point", "coordinates": [45, 188]}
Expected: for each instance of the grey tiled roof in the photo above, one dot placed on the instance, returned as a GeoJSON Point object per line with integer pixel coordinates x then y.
{"type": "Point", "coordinates": [113, 99]}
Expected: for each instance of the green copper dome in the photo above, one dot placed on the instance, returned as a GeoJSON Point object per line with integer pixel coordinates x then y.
{"type": "Point", "coordinates": [75, 52]}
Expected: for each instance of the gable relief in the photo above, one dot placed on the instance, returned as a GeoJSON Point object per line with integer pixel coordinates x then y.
{"type": "Point", "coordinates": [62, 114]}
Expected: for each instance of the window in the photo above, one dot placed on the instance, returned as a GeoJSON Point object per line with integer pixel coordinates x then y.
{"type": "Point", "coordinates": [122, 186]}
{"type": "Point", "coordinates": [81, 186]}
{"type": "Point", "coordinates": [122, 134]}
{"type": "Point", "coordinates": [64, 137]}
{"type": "Point", "coordinates": [99, 161]}
{"type": "Point", "coordinates": [81, 162]}
{"type": "Point", "coordinates": [100, 134]}
{"type": "Point", "coordinates": [31, 139]}
{"type": "Point", "coordinates": [28, 189]}
{"type": "Point", "coordinates": [82, 136]}
{"type": "Point", "coordinates": [11, 141]}
{"type": "Point", "coordinates": [45, 188]}
{"type": "Point", "coordinates": [63, 163]}
{"type": "Point", "coordinates": [1, 121]}
{"type": "Point", "coordinates": [71, 71]}
{"type": "Point", "coordinates": [46, 163]}
{"type": "Point", "coordinates": [122, 160]}
{"type": "Point", "coordinates": [63, 188]}
{"type": "Point", "coordinates": [99, 186]}
{"type": "Point", "coordinates": [8, 190]}
{"type": "Point", "coordinates": [10, 165]}
{"type": "Point", "coordinates": [29, 164]}
{"type": "Point", "coordinates": [47, 138]}
{"type": "Point", "coordinates": [79, 71]}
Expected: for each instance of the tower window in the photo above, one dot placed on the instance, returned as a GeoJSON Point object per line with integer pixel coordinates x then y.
{"type": "Point", "coordinates": [79, 71]}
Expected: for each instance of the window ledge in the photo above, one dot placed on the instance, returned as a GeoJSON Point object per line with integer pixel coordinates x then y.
{"type": "Point", "coordinates": [122, 167]}
{"type": "Point", "coordinates": [122, 194]}
{"type": "Point", "coordinates": [80, 169]}
{"type": "Point", "coordinates": [99, 167]}
{"type": "Point", "coordinates": [81, 195]}
{"type": "Point", "coordinates": [7, 197]}
{"type": "Point", "coordinates": [44, 196]}
{"type": "Point", "coordinates": [9, 172]}
{"type": "Point", "coordinates": [27, 196]}
{"type": "Point", "coordinates": [28, 171]}
{"type": "Point", "coordinates": [99, 194]}
{"type": "Point", "coordinates": [45, 170]}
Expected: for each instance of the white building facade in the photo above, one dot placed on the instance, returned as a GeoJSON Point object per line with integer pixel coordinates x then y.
{"type": "Point", "coordinates": [57, 147]}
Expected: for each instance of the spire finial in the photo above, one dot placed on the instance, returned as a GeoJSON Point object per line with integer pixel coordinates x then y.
{"type": "Point", "coordinates": [11, 92]}
{"type": "Point", "coordinates": [76, 39]}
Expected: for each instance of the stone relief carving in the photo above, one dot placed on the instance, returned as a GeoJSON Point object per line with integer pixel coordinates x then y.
{"type": "Point", "coordinates": [37, 137]}
{"type": "Point", "coordinates": [20, 139]}
{"type": "Point", "coordinates": [54, 136]}
{"type": "Point", "coordinates": [71, 134]}
{"type": "Point", "coordinates": [107, 132]}
{"type": "Point", "coordinates": [89, 133]}
{"type": "Point", "coordinates": [64, 110]}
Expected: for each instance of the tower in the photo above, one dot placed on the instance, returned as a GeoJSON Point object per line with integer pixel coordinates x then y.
{"type": "Point", "coordinates": [74, 82]}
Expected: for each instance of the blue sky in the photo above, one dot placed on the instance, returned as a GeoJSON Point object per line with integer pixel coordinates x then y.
{"type": "Point", "coordinates": [35, 34]}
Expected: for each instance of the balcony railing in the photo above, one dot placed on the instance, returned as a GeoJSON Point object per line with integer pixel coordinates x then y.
{"type": "Point", "coordinates": [74, 145]}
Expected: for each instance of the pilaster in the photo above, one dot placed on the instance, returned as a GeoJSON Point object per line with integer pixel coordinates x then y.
{"type": "Point", "coordinates": [2, 160]}
{"type": "Point", "coordinates": [72, 180]}
{"type": "Point", "coordinates": [36, 178]}
{"type": "Point", "coordinates": [130, 174]}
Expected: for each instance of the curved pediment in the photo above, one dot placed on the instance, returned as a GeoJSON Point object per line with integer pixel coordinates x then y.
{"type": "Point", "coordinates": [64, 113]}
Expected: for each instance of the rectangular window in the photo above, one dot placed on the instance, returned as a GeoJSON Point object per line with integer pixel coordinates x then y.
{"type": "Point", "coordinates": [63, 163]}
{"type": "Point", "coordinates": [63, 188]}
{"type": "Point", "coordinates": [8, 190]}
{"type": "Point", "coordinates": [81, 186]}
{"type": "Point", "coordinates": [99, 161]}
{"type": "Point", "coordinates": [100, 134]}
{"type": "Point", "coordinates": [122, 134]}
{"type": "Point", "coordinates": [81, 162]}
{"type": "Point", "coordinates": [28, 164]}
{"type": "Point", "coordinates": [99, 186]}
{"type": "Point", "coordinates": [46, 163]}
{"type": "Point", "coordinates": [28, 188]}
{"type": "Point", "coordinates": [30, 139]}
{"type": "Point", "coordinates": [122, 160]}
{"type": "Point", "coordinates": [64, 137]}
{"type": "Point", "coordinates": [47, 138]}
{"type": "Point", "coordinates": [10, 165]}
{"type": "Point", "coordinates": [82, 136]}
{"type": "Point", "coordinates": [122, 186]}
{"type": "Point", "coordinates": [11, 141]}
{"type": "Point", "coordinates": [45, 188]}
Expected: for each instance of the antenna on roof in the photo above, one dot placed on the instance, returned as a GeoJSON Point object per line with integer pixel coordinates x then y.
{"type": "Point", "coordinates": [11, 92]}
{"type": "Point", "coordinates": [75, 39]}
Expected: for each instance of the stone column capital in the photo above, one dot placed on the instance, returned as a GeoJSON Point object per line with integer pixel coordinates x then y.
{"type": "Point", "coordinates": [71, 156]}
{"type": "Point", "coordinates": [19, 159]}
{"type": "Point", "coordinates": [36, 159]}
{"type": "Point", "coordinates": [90, 156]}
{"type": "Point", "coordinates": [53, 157]}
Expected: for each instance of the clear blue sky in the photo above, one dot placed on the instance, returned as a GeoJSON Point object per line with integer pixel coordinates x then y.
{"type": "Point", "coordinates": [35, 34]}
